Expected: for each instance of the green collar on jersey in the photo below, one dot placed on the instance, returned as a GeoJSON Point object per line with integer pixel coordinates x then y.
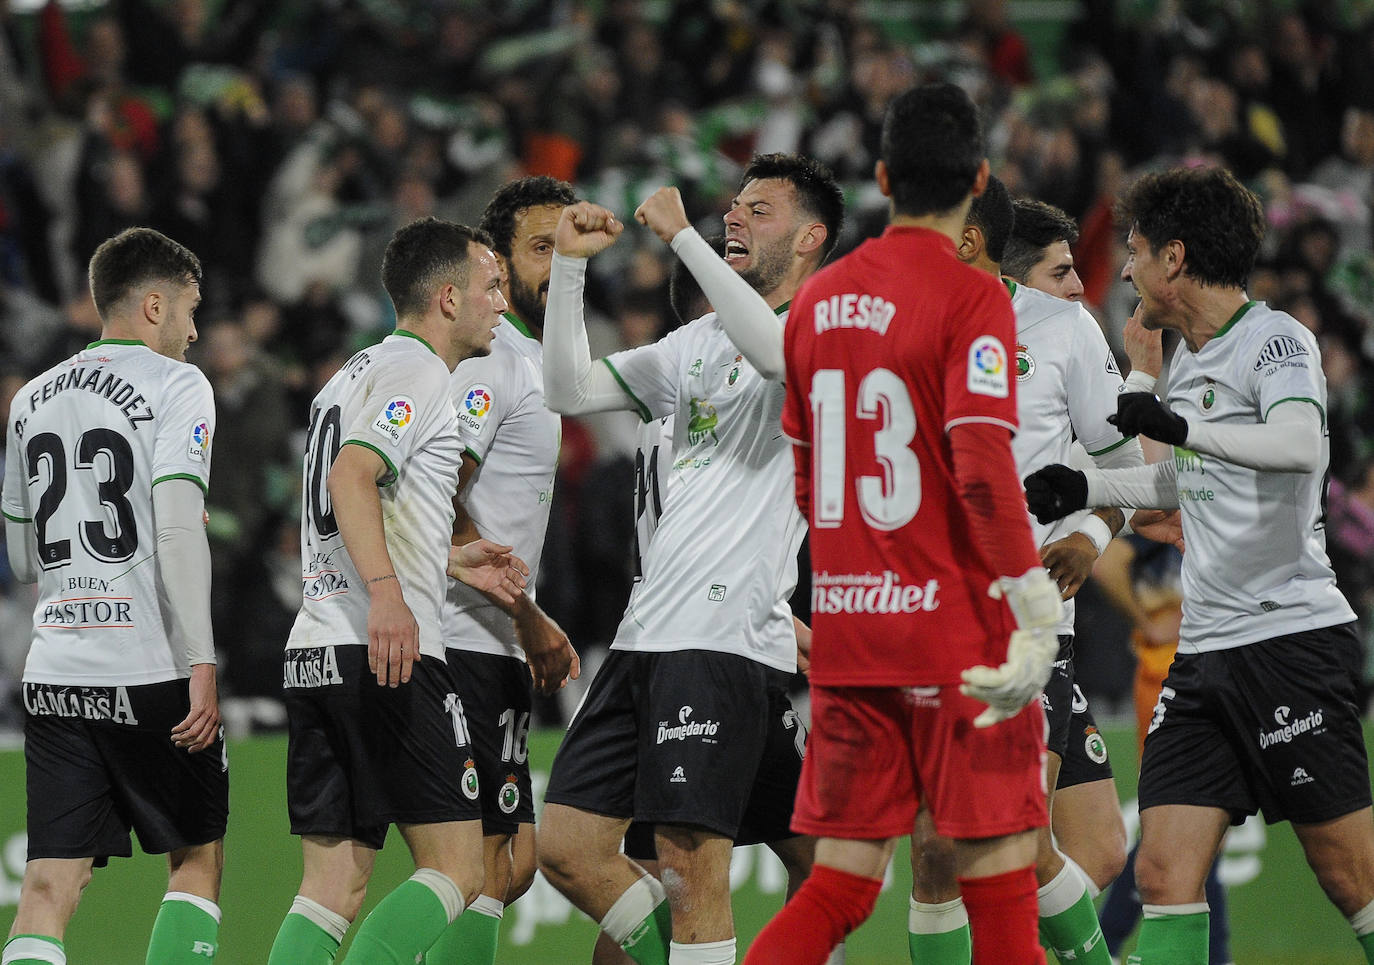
{"type": "Point", "coordinates": [1011, 286]}
{"type": "Point", "coordinates": [1231, 323]}
{"type": "Point", "coordinates": [783, 307]}
{"type": "Point", "coordinates": [519, 325]}
{"type": "Point", "coordinates": [409, 334]}
{"type": "Point", "coordinates": [117, 341]}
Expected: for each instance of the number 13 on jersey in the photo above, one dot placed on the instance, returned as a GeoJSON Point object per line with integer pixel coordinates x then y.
{"type": "Point", "coordinates": [887, 501]}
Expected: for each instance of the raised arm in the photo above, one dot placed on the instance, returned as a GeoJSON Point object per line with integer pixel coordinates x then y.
{"type": "Point", "coordinates": [745, 316]}
{"type": "Point", "coordinates": [572, 384]}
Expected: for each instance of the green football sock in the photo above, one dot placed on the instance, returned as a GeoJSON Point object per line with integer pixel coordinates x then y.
{"type": "Point", "coordinates": [186, 931]}
{"type": "Point", "coordinates": [1363, 923]}
{"type": "Point", "coordinates": [309, 935]}
{"type": "Point", "coordinates": [1068, 920]}
{"type": "Point", "coordinates": [938, 934]}
{"type": "Point", "coordinates": [34, 950]}
{"type": "Point", "coordinates": [406, 922]}
{"type": "Point", "coordinates": [1172, 935]}
{"type": "Point", "coordinates": [640, 922]}
{"type": "Point", "coordinates": [472, 939]}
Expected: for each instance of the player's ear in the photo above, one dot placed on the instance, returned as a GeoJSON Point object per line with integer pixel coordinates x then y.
{"type": "Point", "coordinates": [812, 238]}
{"type": "Point", "coordinates": [971, 244]}
{"type": "Point", "coordinates": [1172, 255]}
{"type": "Point", "coordinates": [882, 177]}
{"type": "Point", "coordinates": [449, 300]}
{"type": "Point", "coordinates": [153, 306]}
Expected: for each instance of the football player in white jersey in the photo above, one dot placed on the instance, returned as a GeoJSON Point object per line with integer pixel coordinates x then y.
{"type": "Point", "coordinates": [1067, 383]}
{"type": "Point", "coordinates": [106, 467]}
{"type": "Point", "coordinates": [672, 728]}
{"type": "Point", "coordinates": [377, 733]}
{"type": "Point", "coordinates": [1259, 710]}
{"type": "Point", "coordinates": [1039, 253]}
{"type": "Point", "coordinates": [510, 455]}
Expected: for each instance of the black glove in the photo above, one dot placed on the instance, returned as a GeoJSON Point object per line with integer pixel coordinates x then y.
{"type": "Point", "coordinates": [1141, 414]}
{"type": "Point", "coordinates": [1055, 491]}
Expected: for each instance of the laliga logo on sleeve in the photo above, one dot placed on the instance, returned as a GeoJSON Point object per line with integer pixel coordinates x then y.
{"type": "Point", "coordinates": [476, 404]}
{"type": "Point", "coordinates": [200, 440]}
{"type": "Point", "coordinates": [396, 419]}
{"type": "Point", "coordinates": [987, 367]}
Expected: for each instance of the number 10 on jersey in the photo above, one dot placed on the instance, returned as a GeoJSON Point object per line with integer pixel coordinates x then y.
{"type": "Point", "coordinates": [887, 501]}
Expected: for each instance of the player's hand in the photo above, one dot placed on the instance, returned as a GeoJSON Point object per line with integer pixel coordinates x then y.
{"type": "Point", "coordinates": [393, 636]}
{"type": "Point", "coordinates": [201, 726]}
{"type": "Point", "coordinates": [1160, 525]}
{"type": "Point", "coordinates": [803, 646]}
{"type": "Point", "coordinates": [584, 229]}
{"type": "Point", "coordinates": [1144, 348]}
{"type": "Point", "coordinates": [1055, 491]}
{"type": "Point", "coordinates": [550, 654]}
{"type": "Point", "coordinates": [1069, 562]}
{"type": "Point", "coordinates": [663, 213]}
{"type": "Point", "coordinates": [1034, 600]}
{"type": "Point", "coordinates": [1141, 414]}
{"type": "Point", "coordinates": [489, 567]}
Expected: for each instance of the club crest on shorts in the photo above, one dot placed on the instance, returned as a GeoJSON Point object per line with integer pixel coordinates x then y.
{"type": "Point", "coordinates": [1094, 746]}
{"type": "Point", "coordinates": [509, 798]}
{"type": "Point", "coordinates": [471, 786]}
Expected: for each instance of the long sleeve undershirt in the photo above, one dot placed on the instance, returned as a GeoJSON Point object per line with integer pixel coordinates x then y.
{"type": "Point", "coordinates": [572, 384]}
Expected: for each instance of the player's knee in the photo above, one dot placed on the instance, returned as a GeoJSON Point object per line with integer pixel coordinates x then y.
{"type": "Point", "coordinates": [1348, 886]}
{"type": "Point", "coordinates": [1106, 860]}
{"type": "Point", "coordinates": [558, 858]}
{"type": "Point", "coordinates": [1155, 879]}
{"type": "Point", "coordinates": [934, 876]}
{"type": "Point", "coordinates": [521, 877]}
{"type": "Point", "coordinates": [55, 889]}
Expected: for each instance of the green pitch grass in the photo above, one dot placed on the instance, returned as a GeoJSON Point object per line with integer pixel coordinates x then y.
{"type": "Point", "coordinates": [1278, 914]}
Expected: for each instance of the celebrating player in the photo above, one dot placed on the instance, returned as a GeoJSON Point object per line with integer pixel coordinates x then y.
{"type": "Point", "coordinates": [106, 468]}
{"type": "Point", "coordinates": [377, 734]}
{"type": "Point", "coordinates": [676, 729]}
{"type": "Point", "coordinates": [1259, 710]}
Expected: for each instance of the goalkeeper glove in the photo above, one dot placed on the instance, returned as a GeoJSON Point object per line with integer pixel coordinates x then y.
{"type": "Point", "coordinates": [1034, 601]}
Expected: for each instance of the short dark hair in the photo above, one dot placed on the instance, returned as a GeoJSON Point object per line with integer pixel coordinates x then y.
{"type": "Point", "coordinates": [992, 214]}
{"type": "Point", "coordinates": [932, 145]}
{"type": "Point", "coordinates": [1218, 219]}
{"type": "Point", "coordinates": [133, 258]}
{"type": "Point", "coordinates": [1038, 225]}
{"type": "Point", "coordinates": [815, 184]}
{"type": "Point", "coordinates": [498, 220]}
{"type": "Point", "coordinates": [685, 296]}
{"type": "Point", "coordinates": [423, 255]}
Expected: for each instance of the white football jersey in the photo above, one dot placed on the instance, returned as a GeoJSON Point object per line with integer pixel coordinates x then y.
{"type": "Point", "coordinates": [88, 440]}
{"type": "Point", "coordinates": [1067, 382]}
{"type": "Point", "coordinates": [1256, 565]}
{"type": "Point", "coordinates": [505, 426]}
{"type": "Point", "coordinates": [392, 398]}
{"type": "Point", "coordinates": [722, 563]}
{"type": "Point", "coordinates": [653, 463]}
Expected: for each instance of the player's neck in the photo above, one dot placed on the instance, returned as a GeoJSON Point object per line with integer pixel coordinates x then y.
{"type": "Point", "coordinates": [948, 223]}
{"type": "Point", "coordinates": [433, 337]}
{"type": "Point", "coordinates": [1205, 311]}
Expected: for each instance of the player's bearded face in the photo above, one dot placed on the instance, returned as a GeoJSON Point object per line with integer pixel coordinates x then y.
{"type": "Point", "coordinates": [527, 298]}
{"type": "Point", "coordinates": [768, 264]}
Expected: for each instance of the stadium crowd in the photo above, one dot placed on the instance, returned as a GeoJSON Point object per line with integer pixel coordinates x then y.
{"type": "Point", "coordinates": [284, 143]}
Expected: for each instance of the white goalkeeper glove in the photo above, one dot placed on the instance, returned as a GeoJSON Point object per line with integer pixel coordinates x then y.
{"type": "Point", "coordinates": [1034, 601]}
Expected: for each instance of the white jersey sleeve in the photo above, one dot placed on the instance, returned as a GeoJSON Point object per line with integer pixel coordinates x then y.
{"type": "Point", "coordinates": [1093, 383]}
{"type": "Point", "coordinates": [182, 446]}
{"type": "Point", "coordinates": [14, 501]}
{"type": "Point", "coordinates": [651, 374]}
{"type": "Point", "coordinates": [481, 408]}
